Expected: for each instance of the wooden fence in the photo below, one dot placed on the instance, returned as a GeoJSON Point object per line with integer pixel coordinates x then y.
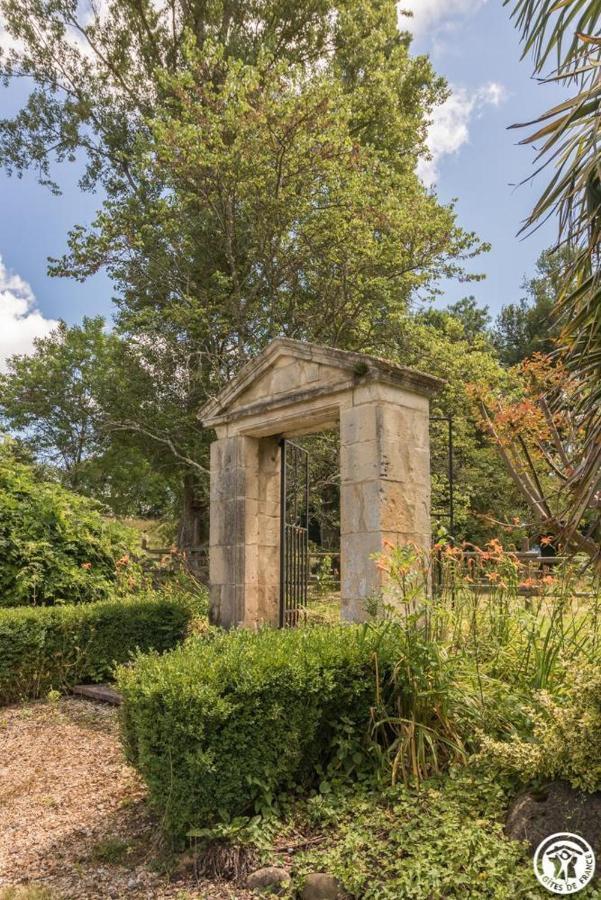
{"type": "Point", "coordinates": [164, 560]}
{"type": "Point", "coordinates": [535, 568]}
{"type": "Point", "coordinates": [196, 561]}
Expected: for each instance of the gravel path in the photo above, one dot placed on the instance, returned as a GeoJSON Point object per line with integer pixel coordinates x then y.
{"type": "Point", "coordinates": [73, 817]}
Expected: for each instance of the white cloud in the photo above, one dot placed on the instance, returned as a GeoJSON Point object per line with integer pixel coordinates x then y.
{"type": "Point", "coordinates": [7, 41]}
{"type": "Point", "coordinates": [450, 126]}
{"type": "Point", "coordinates": [432, 14]}
{"type": "Point", "coordinates": [20, 321]}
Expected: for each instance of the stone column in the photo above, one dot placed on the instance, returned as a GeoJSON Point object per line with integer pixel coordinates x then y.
{"type": "Point", "coordinates": [268, 532]}
{"type": "Point", "coordinates": [244, 531]}
{"type": "Point", "coordinates": [385, 488]}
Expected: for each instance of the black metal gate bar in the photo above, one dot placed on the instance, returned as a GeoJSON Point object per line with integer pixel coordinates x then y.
{"type": "Point", "coordinates": [449, 513]}
{"type": "Point", "coordinates": [294, 532]}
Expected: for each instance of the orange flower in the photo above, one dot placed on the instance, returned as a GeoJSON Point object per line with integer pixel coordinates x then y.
{"type": "Point", "coordinates": [86, 565]}
{"type": "Point", "coordinates": [123, 561]}
{"type": "Point", "coordinates": [528, 583]}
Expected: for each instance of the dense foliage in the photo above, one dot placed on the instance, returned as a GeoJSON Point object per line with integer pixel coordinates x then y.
{"type": "Point", "coordinates": [55, 648]}
{"type": "Point", "coordinates": [390, 750]}
{"type": "Point", "coordinates": [55, 545]}
{"type": "Point", "coordinates": [398, 844]}
{"type": "Point", "coordinates": [566, 735]}
{"type": "Point", "coordinates": [60, 402]}
{"type": "Point", "coordinates": [218, 727]}
{"type": "Point", "coordinates": [530, 324]}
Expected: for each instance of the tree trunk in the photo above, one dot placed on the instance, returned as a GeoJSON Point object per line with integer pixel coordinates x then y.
{"type": "Point", "coordinates": [189, 530]}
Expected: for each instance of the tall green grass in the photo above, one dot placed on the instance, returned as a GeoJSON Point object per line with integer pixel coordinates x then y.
{"type": "Point", "coordinates": [475, 653]}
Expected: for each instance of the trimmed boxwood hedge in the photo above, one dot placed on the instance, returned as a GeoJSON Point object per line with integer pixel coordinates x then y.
{"type": "Point", "coordinates": [218, 727]}
{"type": "Point", "coordinates": [44, 648]}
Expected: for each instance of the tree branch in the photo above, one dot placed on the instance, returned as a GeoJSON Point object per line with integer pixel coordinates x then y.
{"type": "Point", "coordinates": [128, 425]}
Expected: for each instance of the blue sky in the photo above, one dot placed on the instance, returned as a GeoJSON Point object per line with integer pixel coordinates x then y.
{"type": "Point", "coordinates": [475, 159]}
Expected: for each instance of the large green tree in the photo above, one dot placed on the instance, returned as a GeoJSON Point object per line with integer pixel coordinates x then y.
{"type": "Point", "coordinates": [60, 401]}
{"type": "Point", "coordinates": [531, 324]}
{"type": "Point", "coordinates": [258, 161]}
{"type": "Point", "coordinates": [446, 344]}
{"type": "Point", "coordinates": [50, 397]}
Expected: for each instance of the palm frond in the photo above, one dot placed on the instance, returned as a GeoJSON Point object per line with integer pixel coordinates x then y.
{"type": "Point", "coordinates": [553, 27]}
{"type": "Point", "coordinates": [568, 143]}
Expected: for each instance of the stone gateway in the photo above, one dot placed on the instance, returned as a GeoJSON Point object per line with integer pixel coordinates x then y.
{"type": "Point", "coordinates": [293, 388]}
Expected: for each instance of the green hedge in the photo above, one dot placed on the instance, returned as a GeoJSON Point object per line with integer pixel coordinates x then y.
{"type": "Point", "coordinates": [218, 727]}
{"type": "Point", "coordinates": [56, 647]}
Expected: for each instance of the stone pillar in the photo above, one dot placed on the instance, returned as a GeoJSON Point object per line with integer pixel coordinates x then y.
{"type": "Point", "coordinates": [244, 531]}
{"type": "Point", "coordinates": [385, 488]}
{"type": "Point", "coordinates": [228, 533]}
{"type": "Point", "coordinates": [268, 532]}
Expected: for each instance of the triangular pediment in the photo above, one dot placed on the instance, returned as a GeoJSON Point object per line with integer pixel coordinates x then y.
{"type": "Point", "coordinates": [287, 371]}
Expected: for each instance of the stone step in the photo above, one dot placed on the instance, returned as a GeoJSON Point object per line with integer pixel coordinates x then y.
{"type": "Point", "coordinates": [102, 693]}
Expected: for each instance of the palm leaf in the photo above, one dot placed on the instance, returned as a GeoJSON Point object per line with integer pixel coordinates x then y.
{"type": "Point", "coordinates": [567, 32]}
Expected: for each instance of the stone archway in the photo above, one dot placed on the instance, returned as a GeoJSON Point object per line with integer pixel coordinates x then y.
{"type": "Point", "coordinates": [294, 388]}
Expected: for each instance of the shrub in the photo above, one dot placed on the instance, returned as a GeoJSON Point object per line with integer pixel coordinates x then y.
{"type": "Point", "coordinates": [49, 648]}
{"type": "Point", "coordinates": [566, 736]}
{"type": "Point", "coordinates": [218, 727]}
{"type": "Point", "coordinates": [55, 546]}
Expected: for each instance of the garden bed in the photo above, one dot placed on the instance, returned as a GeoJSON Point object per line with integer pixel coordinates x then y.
{"type": "Point", "coordinates": [73, 815]}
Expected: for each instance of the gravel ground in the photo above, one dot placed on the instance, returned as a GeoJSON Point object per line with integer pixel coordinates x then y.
{"type": "Point", "coordinates": [73, 818]}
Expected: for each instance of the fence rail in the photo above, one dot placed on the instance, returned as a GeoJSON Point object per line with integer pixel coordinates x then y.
{"type": "Point", "coordinates": [196, 561]}
{"type": "Point", "coordinates": [535, 568]}
{"type": "Point", "coordinates": [169, 559]}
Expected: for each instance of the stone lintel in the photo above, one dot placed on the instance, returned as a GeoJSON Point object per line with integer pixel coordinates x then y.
{"type": "Point", "coordinates": [355, 368]}
{"type": "Point", "coordinates": [262, 408]}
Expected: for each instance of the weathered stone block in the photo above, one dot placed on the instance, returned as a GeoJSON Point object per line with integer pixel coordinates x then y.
{"type": "Point", "coordinates": [227, 605]}
{"type": "Point", "coordinates": [360, 506]}
{"type": "Point", "coordinates": [227, 524]}
{"type": "Point", "coordinates": [402, 508]}
{"type": "Point", "coordinates": [270, 880]}
{"type": "Point", "coordinates": [373, 392]}
{"type": "Point", "coordinates": [360, 577]}
{"type": "Point", "coordinates": [359, 423]}
{"type": "Point", "coordinates": [293, 376]}
{"type": "Point", "coordinates": [360, 461]}
{"type": "Point", "coordinates": [411, 426]}
{"type": "Point", "coordinates": [321, 886]}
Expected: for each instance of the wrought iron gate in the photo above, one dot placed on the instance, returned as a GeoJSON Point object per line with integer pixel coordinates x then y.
{"type": "Point", "coordinates": [445, 467]}
{"type": "Point", "coordinates": [294, 532]}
